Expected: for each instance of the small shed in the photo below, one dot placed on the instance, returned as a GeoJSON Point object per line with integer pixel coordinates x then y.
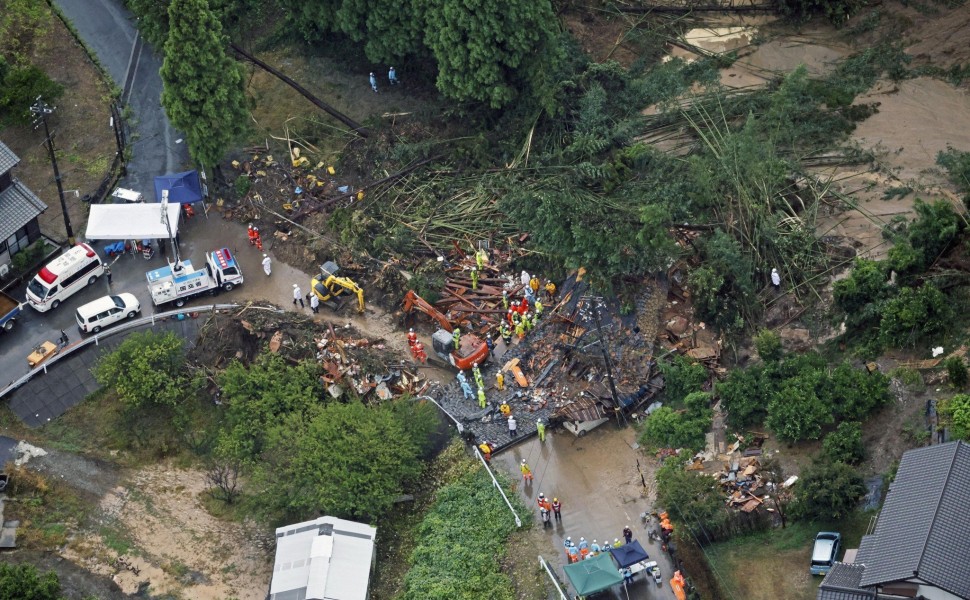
{"type": "Point", "coordinates": [324, 559]}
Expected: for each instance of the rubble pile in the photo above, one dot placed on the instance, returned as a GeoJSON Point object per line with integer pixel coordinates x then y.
{"type": "Point", "coordinates": [347, 359]}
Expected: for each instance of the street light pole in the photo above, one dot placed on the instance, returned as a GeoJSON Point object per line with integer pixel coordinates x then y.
{"type": "Point", "coordinates": [41, 109]}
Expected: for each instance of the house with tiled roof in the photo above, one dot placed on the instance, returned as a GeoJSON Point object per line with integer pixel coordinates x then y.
{"type": "Point", "coordinates": [920, 547]}
{"type": "Point", "coordinates": [19, 209]}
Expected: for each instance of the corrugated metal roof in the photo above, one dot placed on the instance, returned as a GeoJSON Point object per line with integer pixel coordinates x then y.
{"type": "Point", "coordinates": [18, 205]}
{"type": "Point", "coordinates": [8, 159]}
{"type": "Point", "coordinates": [326, 558]}
{"type": "Point", "coordinates": [924, 527]}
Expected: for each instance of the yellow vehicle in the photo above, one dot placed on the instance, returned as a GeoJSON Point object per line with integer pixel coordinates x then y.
{"type": "Point", "coordinates": [328, 287]}
{"type": "Point", "coordinates": [42, 353]}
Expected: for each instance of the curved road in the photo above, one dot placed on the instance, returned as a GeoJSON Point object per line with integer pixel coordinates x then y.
{"type": "Point", "coordinates": [108, 28]}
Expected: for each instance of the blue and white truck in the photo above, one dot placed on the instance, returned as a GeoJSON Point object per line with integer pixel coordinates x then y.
{"type": "Point", "coordinates": [178, 282]}
{"type": "Point", "coordinates": [9, 311]}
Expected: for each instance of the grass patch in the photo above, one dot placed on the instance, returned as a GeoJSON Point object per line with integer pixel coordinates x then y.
{"type": "Point", "coordinates": [47, 509]}
{"type": "Point", "coordinates": [749, 566]}
{"type": "Point", "coordinates": [116, 539]}
{"type": "Point", "coordinates": [103, 426]}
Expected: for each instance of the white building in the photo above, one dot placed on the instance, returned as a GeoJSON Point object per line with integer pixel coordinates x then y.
{"type": "Point", "coordinates": [325, 559]}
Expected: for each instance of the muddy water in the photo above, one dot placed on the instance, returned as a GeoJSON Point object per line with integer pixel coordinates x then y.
{"type": "Point", "coordinates": [917, 119]}
{"type": "Point", "coordinates": [596, 479]}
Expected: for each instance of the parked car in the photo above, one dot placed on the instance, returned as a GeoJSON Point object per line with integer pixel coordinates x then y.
{"type": "Point", "coordinates": [825, 552]}
{"type": "Point", "coordinates": [107, 310]}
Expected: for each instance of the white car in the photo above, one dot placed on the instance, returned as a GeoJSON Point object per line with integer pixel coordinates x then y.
{"type": "Point", "coordinates": [107, 310]}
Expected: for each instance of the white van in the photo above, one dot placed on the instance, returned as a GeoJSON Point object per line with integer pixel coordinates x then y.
{"type": "Point", "coordinates": [98, 314]}
{"type": "Point", "coordinates": [63, 276]}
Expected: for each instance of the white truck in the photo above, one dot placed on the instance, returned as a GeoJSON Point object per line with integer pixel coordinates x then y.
{"type": "Point", "coordinates": [178, 282]}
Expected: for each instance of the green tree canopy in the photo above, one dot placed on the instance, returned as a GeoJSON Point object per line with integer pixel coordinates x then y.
{"type": "Point", "coordinates": [668, 428]}
{"type": "Point", "coordinates": [346, 459]}
{"type": "Point", "coordinates": [147, 368]}
{"type": "Point", "coordinates": [259, 397]}
{"type": "Point", "coordinates": [685, 492]}
{"type": "Point", "coordinates": [24, 582]}
{"type": "Point", "coordinates": [845, 444]}
{"type": "Point", "coordinates": [827, 490]}
{"type": "Point", "coordinates": [19, 88]}
{"type": "Point", "coordinates": [956, 412]}
{"type": "Point", "coordinates": [490, 50]}
{"type": "Point", "coordinates": [796, 412]}
{"type": "Point", "coordinates": [203, 87]}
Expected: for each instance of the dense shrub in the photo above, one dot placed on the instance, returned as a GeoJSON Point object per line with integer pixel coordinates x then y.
{"type": "Point", "coordinates": [826, 491]}
{"type": "Point", "coordinates": [799, 410]}
{"type": "Point", "coordinates": [915, 315]}
{"type": "Point", "coordinates": [768, 344]}
{"type": "Point", "coordinates": [859, 295]}
{"type": "Point", "coordinates": [836, 11]}
{"type": "Point", "coordinates": [956, 371]}
{"type": "Point", "coordinates": [147, 368]}
{"type": "Point", "coordinates": [349, 460]}
{"type": "Point", "coordinates": [669, 428]}
{"type": "Point", "coordinates": [18, 90]}
{"type": "Point", "coordinates": [461, 543]}
{"type": "Point", "coordinates": [682, 376]}
{"type": "Point", "coordinates": [684, 493]}
{"type": "Point", "coordinates": [745, 395]}
{"type": "Point", "coordinates": [857, 393]}
{"type": "Point", "coordinates": [956, 415]}
{"type": "Point", "coordinates": [799, 395]}
{"type": "Point", "coordinates": [845, 444]}
{"type": "Point", "coordinates": [25, 582]}
{"type": "Point", "coordinates": [957, 165]}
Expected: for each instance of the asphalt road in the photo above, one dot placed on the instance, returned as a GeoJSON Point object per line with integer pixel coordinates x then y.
{"type": "Point", "coordinates": [109, 30]}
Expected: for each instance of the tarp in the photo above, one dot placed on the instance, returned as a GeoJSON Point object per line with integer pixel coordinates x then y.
{"type": "Point", "coordinates": [629, 554]}
{"type": "Point", "coordinates": [131, 221]}
{"type": "Point", "coordinates": [593, 574]}
{"type": "Point", "coordinates": [183, 188]}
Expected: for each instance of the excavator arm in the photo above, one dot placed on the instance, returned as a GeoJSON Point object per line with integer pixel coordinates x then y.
{"type": "Point", "coordinates": [349, 286]}
{"type": "Point", "coordinates": [413, 302]}
{"type": "Point", "coordinates": [332, 287]}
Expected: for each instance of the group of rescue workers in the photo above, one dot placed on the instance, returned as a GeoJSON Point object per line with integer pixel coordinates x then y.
{"type": "Point", "coordinates": [583, 550]}
{"type": "Point", "coordinates": [254, 238]}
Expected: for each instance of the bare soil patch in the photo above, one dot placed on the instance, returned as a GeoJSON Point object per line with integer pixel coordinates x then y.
{"type": "Point", "coordinates": [83, 138]}
{"type": "Point", "coordinates": [170, 543]}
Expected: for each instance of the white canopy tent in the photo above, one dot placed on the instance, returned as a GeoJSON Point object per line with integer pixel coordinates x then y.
{"type": "Point", "coordinates": [131, 221]}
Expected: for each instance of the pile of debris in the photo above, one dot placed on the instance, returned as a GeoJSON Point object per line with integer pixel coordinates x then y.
{"type": "Point", "coordinates": [348, 360]}
{"type": "Point", "coordinates": [340, 368]}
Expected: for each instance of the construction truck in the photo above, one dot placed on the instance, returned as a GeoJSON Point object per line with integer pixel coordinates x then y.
{"type": "Point", "coordinates": [472, 349]}
{"type": "Point", "coordinates": [178, 282]}
{"type": "Point", "coordinates": [328, 287]}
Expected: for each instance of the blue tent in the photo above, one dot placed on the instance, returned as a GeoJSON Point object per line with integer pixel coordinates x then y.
{"type": "Point", "coordinates": [629, 554]}
{"type": "Point", "coordinates": [183, 188]}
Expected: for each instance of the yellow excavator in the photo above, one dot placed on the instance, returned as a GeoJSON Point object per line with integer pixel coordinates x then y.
{"type": "Point", "coordinates": [328, 287]}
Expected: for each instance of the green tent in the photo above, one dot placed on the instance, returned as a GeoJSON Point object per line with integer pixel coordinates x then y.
{"type": "Point", "coordinates": [593, 574]}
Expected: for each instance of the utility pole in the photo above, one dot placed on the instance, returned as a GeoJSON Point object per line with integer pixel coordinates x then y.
{"type": "Point", "coordinates": [606, 358]}
{"type": "Point", "coordinates": [41, 109]}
